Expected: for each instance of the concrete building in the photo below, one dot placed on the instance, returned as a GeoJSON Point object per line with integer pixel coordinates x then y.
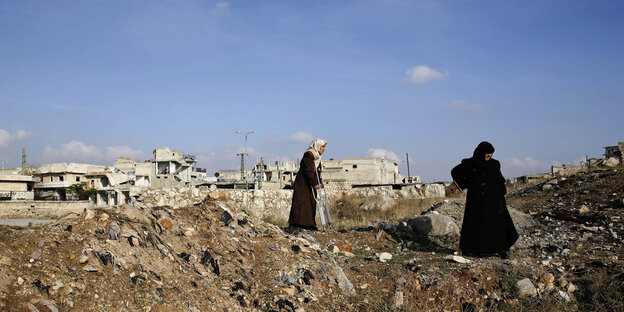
{"type": "Point", "coordinates": [172, 168]}
{"type": "Point", "coordinates": [361, 171]}
{"type": "Point", "coordinates": [54, 178]}
{"type": "Point", "coordinates": [113, 187]}
{"type": "Point", "coordinates": [615, 151]}
{"type": "Point", "coordinates": [278, 175]}
{"type": "Point", "coordinates": [16, 187]}
{"type": "Point", "coordinates": [348, 171]}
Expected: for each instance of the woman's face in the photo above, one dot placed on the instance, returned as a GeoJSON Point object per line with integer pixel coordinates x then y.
{"type": "Point", "coordinates": [488, 156]}
{"type": "Point", "coordinates": [322, 150]}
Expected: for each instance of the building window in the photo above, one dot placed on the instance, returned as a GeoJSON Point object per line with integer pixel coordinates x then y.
{"type": "Point", "coordinates": [51, 179]}
{"type": "Point", "coordinates": [354, 166]}
{"type": "Point", "coordinates": [77, 179]}
{"type": "Point", "coordinates": [61, 178]}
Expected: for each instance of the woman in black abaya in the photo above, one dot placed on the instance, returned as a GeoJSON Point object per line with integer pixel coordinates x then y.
{"type": "Point", "coordinates": [487, 228]}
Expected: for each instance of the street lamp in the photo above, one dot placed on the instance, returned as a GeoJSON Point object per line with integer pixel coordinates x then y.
{"type": "Point", "coordinates": [244, 155]}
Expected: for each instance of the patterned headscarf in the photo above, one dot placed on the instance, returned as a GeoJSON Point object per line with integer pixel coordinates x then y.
{"type": "Point", "coordinates": [314, 148]}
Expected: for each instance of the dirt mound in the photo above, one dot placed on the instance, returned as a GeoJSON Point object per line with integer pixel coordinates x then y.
{"type": "Point", "coordinates": [210, 256]}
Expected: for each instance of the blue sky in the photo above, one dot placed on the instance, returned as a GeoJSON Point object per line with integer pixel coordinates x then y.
{"type": "Point", "coordinates": [87, 81]}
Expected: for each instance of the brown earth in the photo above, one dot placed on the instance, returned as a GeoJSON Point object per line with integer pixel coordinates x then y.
{"type": "Point", "coordinates": [210, 257]}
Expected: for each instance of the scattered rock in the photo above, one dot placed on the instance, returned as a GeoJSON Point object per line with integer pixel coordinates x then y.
{"type": "Point", "coordinates": [398, 300]}
{"type": "Point", "coordinates": [584, 209]}
{"type": "Point", "coordinates": [134, 241]}
{"type": "Point", "coordinates": [564, 295]}
{"type": "Point", "coordinates": [343, 281]}
{"type": "Point", "coordinates": [166, 224]}
{"type": "Point", "coordinates": [83, 259]}
{"type": "Point", "coordinates": [188, 231]}
{"type": "Point", "coordinates": [384, 256]}
{"type": "Point", "coordinates": [458, 259]}
{"type": "Point", "coordinates": [35, 255]}
{"type": "Point", "coordinates": [4, 260]}
{"type": "Point", "coordinates": [433, 225]}
{"type": "Point", "coordinates": [343, 246]}
{"type": "Point", "coordinates": [89, 268]}
{"type": "Point", "coordinates": [525, 288]}
{"type": "Point", "coordinates": [547, 278]}
{"type": "Point", "coordinates": [90, 214]}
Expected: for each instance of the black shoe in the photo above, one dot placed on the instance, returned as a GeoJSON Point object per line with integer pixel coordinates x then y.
{"type": "Point", "coordinates": [504, 255]}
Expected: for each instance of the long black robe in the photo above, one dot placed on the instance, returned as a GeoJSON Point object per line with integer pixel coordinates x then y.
{"type": "Point", "coordinates": [487, 227]}
{"type": "Point", "coordinates": [303, 207]}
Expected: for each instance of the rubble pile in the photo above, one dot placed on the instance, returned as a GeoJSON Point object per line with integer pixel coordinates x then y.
{"type": "Point", "coordinates": [201, 258]}
{"type": "Point", "coordinates": [208, 254]}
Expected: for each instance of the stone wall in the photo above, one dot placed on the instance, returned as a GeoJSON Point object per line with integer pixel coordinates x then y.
{"type": "Point", "coordinates": [274, 205]}
{"type": "Point", "coordinates": [41, 209]}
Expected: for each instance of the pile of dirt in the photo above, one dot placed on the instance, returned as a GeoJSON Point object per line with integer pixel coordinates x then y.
{"type": "Point", "coordinates": [211, 256]}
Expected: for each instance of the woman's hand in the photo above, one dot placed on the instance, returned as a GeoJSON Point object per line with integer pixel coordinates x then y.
{"type": "Point", "coordinates": [318, 186]}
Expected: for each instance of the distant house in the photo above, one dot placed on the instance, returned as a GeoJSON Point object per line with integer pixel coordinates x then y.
{"type": "Point", "coordinates": [16, 187]}
{"type": "Point", "coordinates": [362, 171]}
{"type": "Point", "coordinates": [53, 179]}
{"type": "Point", "coordinates": [348, 171]}
{"type": "Point", "coordinates": [614, 151]}
{"type": "Point", "coordinates": [172, 168]}
{"type": "Point", "coordinates": [278, 175]}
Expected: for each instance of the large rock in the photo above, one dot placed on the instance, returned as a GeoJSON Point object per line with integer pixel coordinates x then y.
{"type": "Point", "coordinates": [435, 190]}
{"type": "Point", "coordinates": [612, 162]}
{"type": "Point", "coordinates": [433, 224]}
{"type": "Point", "coordinates": [525, 288]}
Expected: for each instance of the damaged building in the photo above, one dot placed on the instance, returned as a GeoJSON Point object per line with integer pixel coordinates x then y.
{"type": "Point", "coordinates": [53, 179]}
{"type": "Point", "coordinates": [615, 151]}
{"type": "Point", "coordinates": [173, 168]}
{"type": "Point", "coordinates": [278, 175]}
{"type": "Point", "coordinates": [361, 171]}
{"type": "Point", "coordinates": [122, 182]}
{"type": "Point", "coordinates": [349, 171]}
{"type": "Point", "coordinates": [16, 187]}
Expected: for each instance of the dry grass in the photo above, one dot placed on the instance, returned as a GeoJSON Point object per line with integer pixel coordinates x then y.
{"type": "Point", "coordinates": [601, 292]}
{"type": "Point", "coordinates": [351, 210]}
{"type": "Point", "coordinates": [276, 220]}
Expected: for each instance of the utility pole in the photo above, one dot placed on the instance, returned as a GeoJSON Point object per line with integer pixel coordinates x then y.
{"type": "Point", "coordinates": [409, 178]}
{"type": "Point", "coordinates": [242, 166]}
{"type": "Point", "coordinates": [243, 157]}
{"type": "Point", "coordinates": [23, 159]}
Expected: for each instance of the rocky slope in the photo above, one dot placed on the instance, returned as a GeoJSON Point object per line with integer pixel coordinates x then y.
{"type": "Point", "coordinates": [211, 256]}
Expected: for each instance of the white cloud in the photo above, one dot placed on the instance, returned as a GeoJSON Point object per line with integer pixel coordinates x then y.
{"type": "Point", "coordinates": [421, 74]}
{"type": "Point", "coordinates": [525, 162]}
{"type": "Point", "coordinates": [380, 152]}
{"type": "Point", "coordinates": [300, 137]}
{"type": "Point", "coordinates": [7, 137]}
{"type": "Point", "coordinates": [519, 166]}
{"type": "Point", "coordinates": [76, 151]}
{"type": "Point", "coordinates": [221, 6]}
{"type": "Point", "coordinates": [464, 105]}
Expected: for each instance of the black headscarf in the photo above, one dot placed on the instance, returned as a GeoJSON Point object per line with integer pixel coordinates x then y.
{"type": "Point", "coordinates": [482, 149]}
